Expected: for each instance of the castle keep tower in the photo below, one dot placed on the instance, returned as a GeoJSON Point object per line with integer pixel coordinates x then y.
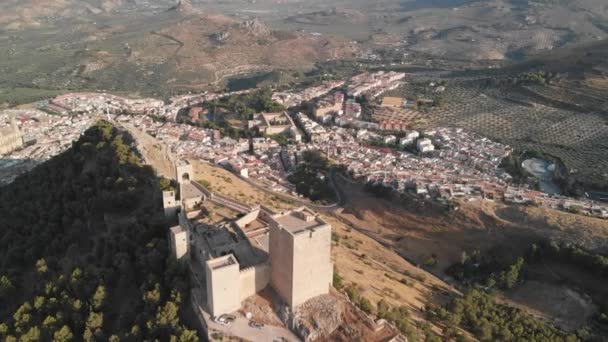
{"type": "Point", "coordinates": [300, 256]}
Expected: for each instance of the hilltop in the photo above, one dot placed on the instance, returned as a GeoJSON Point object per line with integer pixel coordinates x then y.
{"type": "Point", "coordinates": [84, 252]}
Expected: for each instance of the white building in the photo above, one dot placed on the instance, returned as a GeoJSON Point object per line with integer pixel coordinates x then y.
{"type": "Point", "coordinates": [425, 145]}
{"type": "Point", "coordinates": [390, 139]}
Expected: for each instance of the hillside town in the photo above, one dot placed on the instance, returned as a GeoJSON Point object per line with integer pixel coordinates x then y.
{"type": "Point", "coordinates": [437, 163]}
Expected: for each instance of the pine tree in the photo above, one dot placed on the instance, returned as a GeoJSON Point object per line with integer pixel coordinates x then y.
{"type": "Point", "coordinates": [63, 335]}
{"type": "Point", "coordinates": [99, 297]}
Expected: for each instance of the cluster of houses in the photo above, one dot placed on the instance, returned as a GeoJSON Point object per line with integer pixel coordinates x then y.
{"type": "Point", "coordinates": [328, 106]}
{"type": "Point", "coordinates": [374, 84]}
{"type": "Point", "coordinates": [291, 99]}
{"type": "Point", "coordinates": [44, 136]}
{"type": "Point", "coordinates": [95, 103]}
{"type": "Point", "coordinates": [314, 131]}
{"type": "Point", "coordinates": [449, 163]}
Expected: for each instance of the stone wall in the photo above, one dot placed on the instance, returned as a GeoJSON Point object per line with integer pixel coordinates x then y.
{"type": "Point", "coordinates": [247, 218]}
{"type": "Point", "coordinates": [253, 280]}
{"type": "Point", "coordinates": [230, 203]}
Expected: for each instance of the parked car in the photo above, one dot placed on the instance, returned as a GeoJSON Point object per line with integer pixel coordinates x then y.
{"type": "Point", "coordinates": [224, 319]}
{"type": "Point", "coordinates": [219, 321]}
{"type": "Point", "coordinates": [256, 325]}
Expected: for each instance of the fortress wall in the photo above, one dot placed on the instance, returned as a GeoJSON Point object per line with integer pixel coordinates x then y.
{"type": "Point", "coordinates": [230, 203]}
{"type": "Point", "coordinates": [253, 280]}
{"type": "Point", "coordinates": [190, 203]}
{"type": "Point", "coordinates": [248, 218]}
{"type": "Point", "coordinates": [224, 200]}
{"type": "Point", "coordinates": [204, 190]}
{"type": "Point", "coordinates": [266, 213]}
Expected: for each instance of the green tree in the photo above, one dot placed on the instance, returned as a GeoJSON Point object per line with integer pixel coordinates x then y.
{"type": "Point", "coordinates": [93, 325]}
{"type": "Point", "coordinates": [99, 297]}
{"type": "Point", "coordinates": [152, 297]}
{"type": "Point", "coordinates": [3, 329]}
{"type": "Point", "coordinates": [22, 316]}
{"type": "Point", "coordinates": [76, 305]}
{"type": "Point", "coordinates": [63, 335]}
{"type": "Point", "coordinates": [366, 305]}
{"type": "Point", "coordinates": [167, 315]}
{"type": "Point", "coordinates": [49, 323]}
{"type": "Point", "coordinates": [39, 302]}
{"type": "Point", "coordinates": [484, 330]}
{"type": "Point", "coordinates": [338, 281]}
{"type": "Point", "coordinates": [41, 266]}
{"type": "Point", "coordinates": [188, 336]}
{"type": "Point", "coordinates": [31, 335]}
{"type": "Point", "coordinates": [512, 275]}
{"type": "Point", "coordinates": [76, 275]}
{"type": "Point", "coordinates": [6, 286]}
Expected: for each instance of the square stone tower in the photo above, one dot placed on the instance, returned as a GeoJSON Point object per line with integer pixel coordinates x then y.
{"type": "Point", "coordinates": [184, 172]}
{"type": "Point", "coordinates": [223, 283]}
{"type": "Point", "coordinates": [180, 242]}
{"type": "Point", "coordinates": [170, 204]}
{"type": "Point", "coordinates": [300, 256]}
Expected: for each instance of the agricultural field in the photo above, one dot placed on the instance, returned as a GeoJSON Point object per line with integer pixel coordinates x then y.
{"type": "Point", "coordinates": [576, 137]}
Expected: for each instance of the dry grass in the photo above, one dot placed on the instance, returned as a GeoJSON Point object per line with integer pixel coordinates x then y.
{"type": "Point", "coordinates": [382, 274]}
{"type": "Point", "coordinates": [224, 182]}
{"type": "Point", "coordinates": [559, 305]}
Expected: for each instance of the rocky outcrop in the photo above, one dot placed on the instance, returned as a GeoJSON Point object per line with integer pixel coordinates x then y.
{"type": "Point", "coordinates": [185, 7]}
{"type": "Point", "coordinates": [220, 37]}
{"type": "Point", "coordinates": [318, 317]}
{"type": "Point", "coordinates": [254, 27]}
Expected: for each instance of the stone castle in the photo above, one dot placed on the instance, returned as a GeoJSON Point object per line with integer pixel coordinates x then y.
{"type": "Point", "coordinates": [288, 251]}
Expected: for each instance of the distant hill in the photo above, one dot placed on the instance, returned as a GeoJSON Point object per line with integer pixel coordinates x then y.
{"type": "Point", "coordinates": [589, 57]}
{"type": "Point", "coordinates": [152, 47]}
{"type": "Point", "coordinates": [579, 75]}
{"type": "Point", "coordinates": [21, 14]}
{"type": "Point", "coordinates": [84, 251]}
